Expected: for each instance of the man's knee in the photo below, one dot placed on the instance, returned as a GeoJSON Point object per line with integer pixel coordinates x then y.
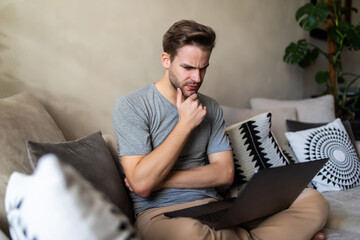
{"type": "Point", "coordinates": [316, 203]}
{"type": "Point", "coordinates": [318, 199]}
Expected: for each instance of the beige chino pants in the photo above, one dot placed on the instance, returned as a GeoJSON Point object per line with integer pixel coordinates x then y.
{"type": "Point", "coordinates": [306, 216]}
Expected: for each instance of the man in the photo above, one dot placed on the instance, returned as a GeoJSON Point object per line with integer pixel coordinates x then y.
{"type": "Point", "coordinates": [174, 150]}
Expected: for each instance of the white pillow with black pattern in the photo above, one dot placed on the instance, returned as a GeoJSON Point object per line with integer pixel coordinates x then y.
{"type": "Point", "coordinates": [254, 147]}
{"type": "Point", "coordinates": [342, 171]}
{"type": "Point", "coordinates": [57, 203]}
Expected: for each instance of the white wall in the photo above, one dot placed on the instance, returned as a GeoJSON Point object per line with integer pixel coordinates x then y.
{"type": "Point", "coordinates": [79, 56]}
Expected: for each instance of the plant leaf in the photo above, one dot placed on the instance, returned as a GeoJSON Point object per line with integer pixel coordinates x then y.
{"type": "Point", "coordinates": [334, 35]}
{"type": "Point", "coordinates": [354, 37]}
{"type": "Point", "coordinates": [341, 79]}
{"type": "Point", "coordinates": [322, 77]}
{"type": "Point", "coordinates": [344, 27]}
{"type": "Point", "coordinates": [295, 52]}
{"type": "Point", "coordinates": [311, 16]}
{"type": "Point", "coordinates": [337, 33]}
{"type": "Point", "coordinates": [344, 10]}
{"type": "Point", "coordinates": [309, 58]}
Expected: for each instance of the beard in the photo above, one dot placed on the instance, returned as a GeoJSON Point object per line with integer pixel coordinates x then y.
{"type": "Point", "coordinates": [177, 84]}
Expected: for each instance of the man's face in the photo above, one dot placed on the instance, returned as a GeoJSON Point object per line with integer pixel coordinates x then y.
{"type": "Point", "coordinates": [188, 68]}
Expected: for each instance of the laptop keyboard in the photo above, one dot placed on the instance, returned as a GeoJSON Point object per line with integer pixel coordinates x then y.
{"type": "Point", "coordinates": [213, 217]}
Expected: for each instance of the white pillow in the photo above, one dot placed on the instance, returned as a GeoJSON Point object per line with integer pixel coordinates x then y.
{"type": "Point", "coordinates": [57, 203]}
{"type": "Point", "coordinates": [342, 171]}
{"type": "Point", "coordinates": [315, 110]}
{"type": "Point", "coordinates": [254, 147]}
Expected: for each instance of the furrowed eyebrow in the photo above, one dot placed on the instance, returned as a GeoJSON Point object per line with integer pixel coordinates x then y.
{"type": "Point", "coordinates": [184, 65]}
{"type": "Point", "coordinates": [205, 67]}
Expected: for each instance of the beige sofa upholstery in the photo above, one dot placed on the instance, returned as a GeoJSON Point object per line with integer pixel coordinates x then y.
{"type": "Point", "coordinates": [23, 118]}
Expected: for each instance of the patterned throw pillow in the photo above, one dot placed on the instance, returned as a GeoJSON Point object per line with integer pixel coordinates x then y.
{"type": "Point", "coordinates": [295, 126]}
{"type": "Point", "coordinates": [254, 147]}
{"type": "Point", "coordinates": [57, 203]}
{"type": "Point", "coordinates": [234, 115]}
{"type": "Point", "coordinates": [342, 171]}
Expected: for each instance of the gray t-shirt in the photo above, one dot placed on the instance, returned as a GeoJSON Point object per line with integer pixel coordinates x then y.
{"type": "Point", "coordinates": [143, 119]}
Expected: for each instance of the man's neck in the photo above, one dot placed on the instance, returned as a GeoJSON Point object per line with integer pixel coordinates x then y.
{"type": "Point", "coordinates": [166, 89]}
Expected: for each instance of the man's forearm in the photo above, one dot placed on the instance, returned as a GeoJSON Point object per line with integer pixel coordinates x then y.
{"type": "Point", "coordinates": [215, 174]}
{"type": "Point", "coordinates": [149, 171]}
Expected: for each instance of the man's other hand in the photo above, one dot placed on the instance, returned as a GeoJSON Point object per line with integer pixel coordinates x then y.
{"type": "Point", "coordinates": [128, 185]}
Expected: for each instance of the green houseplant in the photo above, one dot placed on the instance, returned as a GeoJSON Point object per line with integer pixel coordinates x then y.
{"type": "Point", "coordinates": [341, 36]}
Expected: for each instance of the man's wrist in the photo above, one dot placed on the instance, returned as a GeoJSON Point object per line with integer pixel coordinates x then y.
{"type": "Point", "coordinates": [184, 127]}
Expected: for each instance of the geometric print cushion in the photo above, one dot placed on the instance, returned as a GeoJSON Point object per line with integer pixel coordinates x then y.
{"type": "Point", "coordinates": [56, 203]}
{"type": "Point", "coordinates": [254, 147]}
{"type": "Point", "coordinates": [342, 171]}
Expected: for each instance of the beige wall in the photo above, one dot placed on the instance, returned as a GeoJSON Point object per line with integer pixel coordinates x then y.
{"type": "Point", "coordinates": [79, 56]}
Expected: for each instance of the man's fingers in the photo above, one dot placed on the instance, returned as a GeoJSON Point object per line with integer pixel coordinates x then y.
{"type": "Point", "coordinates": [128, 185]}
{"type": "Point", "coordinates": [193, 97]}
{"type": "Point", "coordinates": [126, 182]}
{"type": "Point", "coordinates": [179, 97]}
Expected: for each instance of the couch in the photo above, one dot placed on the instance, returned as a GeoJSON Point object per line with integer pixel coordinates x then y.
{"type": "Point", "coordinates": [26, 128]}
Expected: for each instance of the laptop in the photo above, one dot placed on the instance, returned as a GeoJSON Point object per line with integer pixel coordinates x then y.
{"type": "Point", "coordinates": [268, 192]}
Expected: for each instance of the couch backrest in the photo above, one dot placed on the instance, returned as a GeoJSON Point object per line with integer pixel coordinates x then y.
{"type": "Point", "coordinates": [22, 118]}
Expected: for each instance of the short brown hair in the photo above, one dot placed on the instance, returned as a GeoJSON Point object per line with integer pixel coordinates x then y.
{"type": "Point", "coordinates": [188, 32]}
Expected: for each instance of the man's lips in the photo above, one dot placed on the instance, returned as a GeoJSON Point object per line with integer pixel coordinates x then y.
{"type": "Point", "coordinates": [192, 88]}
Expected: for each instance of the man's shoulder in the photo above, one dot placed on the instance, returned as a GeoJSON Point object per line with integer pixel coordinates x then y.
{"type": "Point", "coordinates": [135, 96]}
{"type": "Point", "coordinates": [139, 93]}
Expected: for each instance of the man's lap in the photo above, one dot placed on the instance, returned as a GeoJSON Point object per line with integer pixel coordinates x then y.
{"type": "Point", "coordinates": [305, 217]}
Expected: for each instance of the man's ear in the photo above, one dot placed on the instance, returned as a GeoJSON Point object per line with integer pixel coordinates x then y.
{"type": "Point", "coordinates": [165, 60]}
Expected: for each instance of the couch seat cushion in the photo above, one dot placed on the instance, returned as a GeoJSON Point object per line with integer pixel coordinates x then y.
{"type": "Point", "coordinates": [344, 210]}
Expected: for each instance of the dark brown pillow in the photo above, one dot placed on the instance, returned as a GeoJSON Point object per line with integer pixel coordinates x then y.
{"type": "Point", "coordinates": [91, 157]}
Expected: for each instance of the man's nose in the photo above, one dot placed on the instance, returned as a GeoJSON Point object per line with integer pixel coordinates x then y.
{"type": "Point", "coordinates": [196, 75]}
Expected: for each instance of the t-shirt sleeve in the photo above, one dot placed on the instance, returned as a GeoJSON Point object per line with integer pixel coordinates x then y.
{"type": "Point", "coordinates": [131, 126]}
{"type": "Point", "coordinates": [218, 141]}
